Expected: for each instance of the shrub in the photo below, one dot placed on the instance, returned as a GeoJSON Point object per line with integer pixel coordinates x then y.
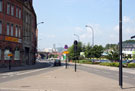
{"type": "Point", "coordinates": [131, 65]}
{"type": "Point", "coordinates": [114, 64]}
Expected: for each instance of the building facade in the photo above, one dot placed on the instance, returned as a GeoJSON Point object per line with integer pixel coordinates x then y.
{"type": "Point", "coordinates": [29, 33]}
{"type": "Point", "coordinates": [128, 47]}
{"type": "Point", "coordinates": [12, 32]}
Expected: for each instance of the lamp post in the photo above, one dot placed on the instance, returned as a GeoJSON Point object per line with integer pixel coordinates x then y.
{"type": "Point", "coordinates": [133, 37]}
{"type": "Point", "coordinates": [77, 36]}
{"type": "Point", "coordinates": [92, 33]}
{"type": "Point", "coordinates": [37, 29]}
{"type": "Point", "coordinates": [120, 45]}
{"type": "Point", "coordinates": [40, 23]}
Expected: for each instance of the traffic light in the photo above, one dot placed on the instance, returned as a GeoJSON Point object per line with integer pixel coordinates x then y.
{"type": "Point", "coordinates": [75, 46]}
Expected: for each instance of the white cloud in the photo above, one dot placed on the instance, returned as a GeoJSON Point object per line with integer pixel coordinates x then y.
{"type": "Point", "coordinates": [126, 19]}
{"type": "Point", "coordinates": [41, 35]}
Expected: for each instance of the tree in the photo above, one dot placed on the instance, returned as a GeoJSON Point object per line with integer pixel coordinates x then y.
{"type": "Point", "coordinates": [88, 52]}
{"type": "Point", "coordinates": [113, 55]}
{"type": "Point", "coordinates": [71, 51]}
{"type": "Point", "coordinates": [97, 51]}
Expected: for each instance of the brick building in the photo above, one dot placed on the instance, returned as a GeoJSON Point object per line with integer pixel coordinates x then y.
{"type": "Point", "coordinates": [29, 33]}
{"type": "Point", "coordinates": [12, 32]}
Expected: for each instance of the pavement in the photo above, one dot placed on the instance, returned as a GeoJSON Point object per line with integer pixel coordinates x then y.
{"type": "Point", "coordinates": [63, 79]}
{"type": "Point", "coordinates": [39, 64]}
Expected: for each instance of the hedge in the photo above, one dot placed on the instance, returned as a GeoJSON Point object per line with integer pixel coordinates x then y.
{"type": "Point", "coordinates": [114, 64]}
{"type": "Point", "coordinates": [131, 65]}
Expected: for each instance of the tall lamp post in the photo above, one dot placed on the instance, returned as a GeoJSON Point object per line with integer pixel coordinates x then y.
{"type": "Point", "coordinates": [77, 36]}
{"type": "Point", "coordinates": [37, 32]}
{"type": "Point", "coordinates": [120, 45]}
{"type": "Point", "coordinates": [92, 33]}
{"type": "Point", "coordinates": [133, 37]}
{"type": "Point", "coordinates": [40, 23]}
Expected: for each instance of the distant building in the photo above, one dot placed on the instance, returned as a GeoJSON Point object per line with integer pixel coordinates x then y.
{"type": "Point", "coordinates": [128, 47]}
{"type": "Point", "coordinates": [48, 50]}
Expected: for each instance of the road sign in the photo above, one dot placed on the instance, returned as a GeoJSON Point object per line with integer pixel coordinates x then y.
{"type": "Point", "coordinates": [66, 47]}
{"type": "Point", "coordinates": [66, 52]}
{"type": "Point", "coordinates": [10, 54]}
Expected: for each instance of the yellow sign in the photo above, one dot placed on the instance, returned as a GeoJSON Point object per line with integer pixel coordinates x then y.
{"type": "Point", "coordinates": [12, 39]}
{"type": "Point", "coordinates": [10, 54]}
{"type": "Point", "coordinates": [66, 52]}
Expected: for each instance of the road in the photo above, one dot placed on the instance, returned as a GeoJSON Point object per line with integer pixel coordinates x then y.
{"type": "Point", "coordinates": [16, 74]}
{"type": "Point", "coordinates": [8, 76]}
{"type": "Point", "coordinates": [127, 77]}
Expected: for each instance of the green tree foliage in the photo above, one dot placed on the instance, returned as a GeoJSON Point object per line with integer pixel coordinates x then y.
{"type": "Point", "coordinates": [51, 56]}
{"type": "Point", "coordinates": [71, 51]}
{"type": "Point", "coordinates": [88, 51]}
{"type": "Point", "coordinates": [113, 55]}
{"type": "Point", "coordinates": [129, 41]}
{"type": "Point", "coordinates": [97, 51]}
{"type": "Point", "coordinates": [111, 46]}
{"type": "Point", "coordinates": [134, 56]}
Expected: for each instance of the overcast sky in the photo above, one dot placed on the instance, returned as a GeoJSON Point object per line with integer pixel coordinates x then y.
{"type": "Point", "coordinates": [64, 18]}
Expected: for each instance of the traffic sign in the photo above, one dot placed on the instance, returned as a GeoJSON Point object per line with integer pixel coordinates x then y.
{"type": "Point", "coordinates": [10, 54]}
{"type": "Point", "coordinates": [66, 47]}
{"type": "Point", "coordinates": [66, 52]}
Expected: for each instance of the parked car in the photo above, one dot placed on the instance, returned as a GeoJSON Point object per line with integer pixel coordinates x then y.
{"type": "Point", "coordinates": [95, 61]}
{"type": "Point", "coordinates": [57, 62]}
{"type": "Point", "coordinates": [105, 61]}
{"type": "Point", "coordinates": [132, 61]}
{"type": "Point", "coordinates": [125, 61]}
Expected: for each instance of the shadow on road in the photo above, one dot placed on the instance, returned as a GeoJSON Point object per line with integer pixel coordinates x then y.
{"type": "Point", "coordinates": [128, 88]}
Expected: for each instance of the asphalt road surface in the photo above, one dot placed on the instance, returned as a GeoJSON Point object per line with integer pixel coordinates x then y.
{"type": "Point", "coordinates": [19, 74]}
{"type": "Point", "coordinates": [127, 77]}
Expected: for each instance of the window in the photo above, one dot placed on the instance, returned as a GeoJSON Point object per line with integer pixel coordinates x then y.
{"type": "Point", "coordinates": [26, 18]}
{"type": "Point", "coordinates": [20, 13]}
{"type": "Point", "coordinates": [0, 27]}
{"type": "Point", "coordinates": [17, 55]}
{"type": "Point", "coordinates": [19, 32]}
{"type": "Point", "coordinates": [8, 8]}
{"type": "Point", "coordinates": [16, 11]}
{"type": "Point", "coordinates": [12, 10]}
{"type": "Point", "coordinates": [16, 31]}
{"type": "Point", "coordinates": [6, 52]}
{"type": "Point", "coordinates": [0, 54]}
{"type": "Point", "coordinates": [7, 28]}
{"type": "Point", "coordinates": [0, 5]}
{"type": "Point", "coordinates": [12, 29]}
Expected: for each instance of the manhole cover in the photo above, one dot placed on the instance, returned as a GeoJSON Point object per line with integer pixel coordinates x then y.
{"type": "Point", "coordinates": [25, 86]}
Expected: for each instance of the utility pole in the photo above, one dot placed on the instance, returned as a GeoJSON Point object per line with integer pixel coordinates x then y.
{"type": "Point", "coordinates": [75, 52]}
{"type": "Point", "coordinates": [120, 46]}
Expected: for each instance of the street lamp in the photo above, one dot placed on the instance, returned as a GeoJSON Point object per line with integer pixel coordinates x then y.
{"type": "Point", "coordinates": [133, 37]}
{"type": "Point", "coordinates": [92, 33]}
{"type": "Point", "coordinates": [37, 31]}
{"type": "Point", "coordinates": [40, 23]}
{"type": "Point", "coordinates": [77, 36]}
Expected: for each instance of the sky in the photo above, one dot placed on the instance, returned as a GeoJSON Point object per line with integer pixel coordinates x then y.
{"type": "Point", "coordinates": [64, 18]}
